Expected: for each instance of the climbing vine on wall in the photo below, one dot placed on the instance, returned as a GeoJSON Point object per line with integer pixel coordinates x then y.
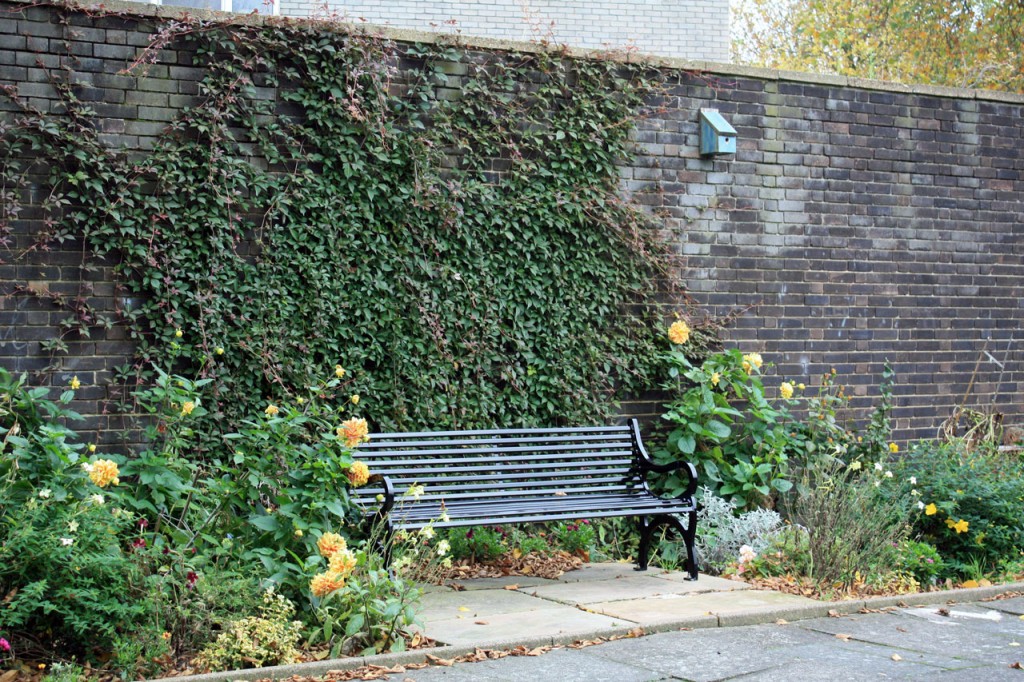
{"type": "Point", "coordinates": [442, 223]}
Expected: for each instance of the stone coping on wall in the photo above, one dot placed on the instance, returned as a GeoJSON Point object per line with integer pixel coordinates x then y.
{"type": "Point", "coordinates": [416, 36]}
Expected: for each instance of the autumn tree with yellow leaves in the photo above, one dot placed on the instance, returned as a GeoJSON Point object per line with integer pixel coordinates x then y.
{"type": "Point", "coordinates": [958, 43]}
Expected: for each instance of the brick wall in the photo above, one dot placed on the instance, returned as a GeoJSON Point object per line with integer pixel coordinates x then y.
{"type": "Point", "coordinates": [859, 222]}
{"type": "Point", "coordinates": [687, 29]}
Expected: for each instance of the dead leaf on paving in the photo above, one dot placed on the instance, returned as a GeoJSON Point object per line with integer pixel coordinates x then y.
{"type": "Point", "coordinates": [512, 587]}
{"type": "Point", "coordinates": [896, 657]}
{"type": "Point", "coordinates": [843, 636]}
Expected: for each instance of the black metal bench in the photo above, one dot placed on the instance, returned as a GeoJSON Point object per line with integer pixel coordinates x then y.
{"type": "Point", "coordinates": [512, 476]}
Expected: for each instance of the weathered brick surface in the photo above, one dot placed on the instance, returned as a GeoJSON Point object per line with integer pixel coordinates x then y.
{"type": "Point", "coordinates": [859, 225]}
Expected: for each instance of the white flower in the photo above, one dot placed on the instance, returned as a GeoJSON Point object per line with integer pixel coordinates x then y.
{"type": "Point", "coordinates": [878, 483]}
{"type": "Point", "coordinates": [913, 480]}
{"type": "Point", "coordinates": [73, 526]}
{"type": "Point", "coordinates": [920, 504]}
{"type": "Point", "coordinates": [914, 492]}
{"type": "Point", "coordinates": [415, 490]}
{"type": "Point", "coordinates": [427, 532]}
{"type": "Point", "coordinates": [67, 542]}
{"type": "Point", "coordinates": [96, 499]}
{"type": "Point", "coordinates": [878, 466]}
{"type": "Point", "coordinates": [87, 466]}
{"type": "Point", "coordinates": [747, 554]}
{"type": "Point", "coordinates": [45, 493]}
{"type": "Point", "coordinates": [443, 547]}
{"type": "Point", "coordinates": [888, 474]}
{"type": "Point", "coordinates": [444, 517]}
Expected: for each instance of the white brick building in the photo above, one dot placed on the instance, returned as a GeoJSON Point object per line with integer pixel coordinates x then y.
{"type": "Point", "coordinates": [687, 29]}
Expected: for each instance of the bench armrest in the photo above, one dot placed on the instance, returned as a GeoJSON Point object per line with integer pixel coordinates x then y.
{"type": "Point", "coordinates": [647, 465]}
{"type": "Point", "coordinates": [389, 498]}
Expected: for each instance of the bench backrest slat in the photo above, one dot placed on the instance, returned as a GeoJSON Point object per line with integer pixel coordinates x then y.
{"type": "Point", "coordinates": [467, 465]}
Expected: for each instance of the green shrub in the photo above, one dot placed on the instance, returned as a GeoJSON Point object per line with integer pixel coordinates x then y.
{"type": "Point", "coordinates": [271, 638]}
{"type": "Point", "coordinates": [920, 560]}
{"type": "Point", "coordinates": [970, 503]}
{"type": "Point", "coordinates": [573, 536]}
{"type": "Point", "coordinates": [480, 543]}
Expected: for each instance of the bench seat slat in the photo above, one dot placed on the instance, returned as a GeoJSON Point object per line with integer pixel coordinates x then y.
{"type": "Point", "coordinates": [474, 456]}
{"type": "Point", "coordinates": [469, 472]}
{"type": "Point", "coordinates": [516, 490]}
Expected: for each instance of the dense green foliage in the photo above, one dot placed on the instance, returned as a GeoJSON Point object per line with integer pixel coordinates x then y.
{"type": "Point", "coordinates": [454, 241]}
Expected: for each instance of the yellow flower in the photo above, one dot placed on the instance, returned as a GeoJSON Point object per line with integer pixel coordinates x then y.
{"type": "Point", "coordinates": [330, 544]}
{"type": "Point", "coordinates": [342, 563]}
{"type": "Point", "coordinates": [679, 332]}
{"type": "Point", "coordinates": [92, 447]}
{"type": "Point", "coordinates": [931, 509]}
{"type": "Point", "coordinates": [339, 371]}
{"type": "Point", "coordinates": [298, 533]}
{"type": "Point", "coordinates": [177, 333]}
{"type": "Point", "coordinates": [300, 400]}
{"type": "Point", "coordinates": [75, 383]}
{"type": "Point", "coordinates": [715, 378]}
{"type": "Point", "coordinates": [855, 465]}
{"type": "Point", "coordinates": [219, 351]}
{"type": "Point", "coordinates": [750, 361]}
{"type": "Point", "coordinates": [355, 399]}
{"type": "Point", "coordinates": [104, 472]}
{"type": "Point", "coordinates": [166, 635]}
{"type": "Point", "coordinates": [187, 408]}
{"type": "Point", "coordinates": [960, 526]}
{"type": "Point", "coordinates": [323, 584]}
{"type": "Point", "coordinates": [786, 390]}
{"type": "Point", "coordinates": [354, 431]}
{"type": "Point", "coordinates": [801, 386]}
{"type": "Point", "coordinates": [271, 410]}
{"type": "Point", "coordinates": [893, 448]}
{"type": "Point", "coordinates": [358, 474]}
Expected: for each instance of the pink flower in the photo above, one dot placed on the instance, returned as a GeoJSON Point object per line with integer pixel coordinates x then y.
{"type": "Point", "coordinates": [4, 645]}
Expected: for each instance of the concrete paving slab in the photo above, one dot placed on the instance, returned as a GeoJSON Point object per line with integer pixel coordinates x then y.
{"type": "Point", "coordinates": [706, 582]}
{"type": "Point", "coordinates": [629, 587]}
{"type": "Point", "coordinates": [551, 621]}
{"type": "Point", "coordinates": [565, 666]}
{"type": "Point", "coordinates": [975, 617]}
{"type": "Point", "coordinates": [1015, 605]}
{"type": "Point", "coordinates": [715, 654]}
{"type": "Point", "coordinates": [949, 638]}
{"type": "Point", "coordinates": [477, 603]}
{"type": "Point", "coordinates": [608, 570]}
{"type": "Point", "coordinates": [522, 581]}
{"type": "Point", "coordinates": [667, 607]}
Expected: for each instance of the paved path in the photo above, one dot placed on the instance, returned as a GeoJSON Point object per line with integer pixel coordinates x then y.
{"type": "Point", "coordinates": [712, 629]}
{"type": "Point", "coordinates": [975, 641]}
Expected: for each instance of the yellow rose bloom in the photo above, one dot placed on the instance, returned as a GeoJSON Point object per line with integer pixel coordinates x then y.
{"type": "Point", "coordinates": [187, 408]}
{"type": "Point", "coordinates": [358, 474]}
{"type": "Point", "coordinates": [786, 390]}
{"type": "Point", "coordinates": [893, 448]}
{"type": "Point", "coordinates": [323, 584]}
{"type": "Point", "coordinates": [177, 333]}
{"type": "Point", "coordinates": [801, 386]}
{"type": "Point", "coordinates": [271, 410]}
{"type": "Point", "coordinates": [679, 332]}
{"type": "Point", "coordinates": [339, 371]}
{"type": "Point", "coordinates": [104, 472]}
{"type": "Point", "coordinates": [330, 544]}
{"type": "Point", "coordinates": [354, 431]}
{"type": "Point", "coordinates": [355, 399]}
{"type": "Point", "coordinates": [342, 563]}
{"type": "Point", "coordinates": [931, 509]}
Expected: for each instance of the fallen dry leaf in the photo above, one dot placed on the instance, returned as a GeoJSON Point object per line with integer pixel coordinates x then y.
{"type": "Point", "coordinates": [896, 657]}
{"type": "Point", "coordinates": [943, 611]}
{"type": "Point", "coordinates": [843, 636]}
{"type": "Point", "coordinates": [463, 608]}
{"type": "Point", "coordinates": [1016, 666]}
{"type": "Point", "coordinates": [480, 622]}
{"type": "Point", "coordinates": [512, 587]}
{"type": "Point", "coordinates": [782, 621]}
{"type": "Point", "coordinates": [832, 613]}
{"type": "Point", "coordinates": [437, 660]}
